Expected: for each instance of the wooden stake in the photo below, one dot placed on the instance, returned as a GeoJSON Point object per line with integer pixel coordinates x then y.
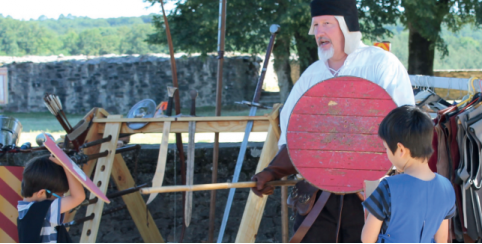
{"type": "Point", "coordinates": [101, 178]}
{"type": "Point", "coordinates": [216, 186]}
{"type": "Point", "coordinates": [135, 203]}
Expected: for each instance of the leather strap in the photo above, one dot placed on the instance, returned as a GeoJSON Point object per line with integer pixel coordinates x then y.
{"type": "Point", "coordinates": [342, 197]}
{"type": "Point", "coordinates": [310, 218]}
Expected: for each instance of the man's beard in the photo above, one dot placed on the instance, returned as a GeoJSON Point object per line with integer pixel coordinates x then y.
{"type": "Point", "coordinates": [324, 55]}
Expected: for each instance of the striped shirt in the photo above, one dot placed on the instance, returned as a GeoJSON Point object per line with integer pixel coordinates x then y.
{"type": "Point", "coordinates": [53, 219]}
{"type": "Point", "coordinates": [379, 205]}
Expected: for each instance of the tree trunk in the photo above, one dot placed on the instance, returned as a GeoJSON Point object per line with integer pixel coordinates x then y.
{"type": "Point", "coordinates": [421, 53]}
{"type": "Point", "coordinates": [307, 49]}
{"type": "Point", "coordinates": [281, 54]}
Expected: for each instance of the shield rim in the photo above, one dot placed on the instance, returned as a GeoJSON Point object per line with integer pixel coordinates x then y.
{"type": "Point", "coordinates": [288, 125]}
{"type": "Point", "coordinates": [140, 125]}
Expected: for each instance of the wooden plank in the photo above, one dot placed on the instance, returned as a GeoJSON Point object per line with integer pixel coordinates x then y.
{"type": "Point", "coordinates": [348, 87]}
{"type": "Point", "coordinates": [101, 179]}
{"type": "Point", "coordinates": [92, 135]}
{"type": "Point", "coordinates": [253, 212]}
{"type": "Point", "coordinates": [340, 180]}
{"type": "Point", "coordinates": [337, 160]}
{"type": "Point", "coordinates": [135, 203]}
{"type": "Point", "coordinates": [184, 119]}
{"type": "Point", "coordinates": [335, 142]}
{"type": "Point", "coordinates": [334, 124]}
{"type": "Point", "coordinates": [343, 106]}
{"type": "Point", "coordinates": [201, 127]}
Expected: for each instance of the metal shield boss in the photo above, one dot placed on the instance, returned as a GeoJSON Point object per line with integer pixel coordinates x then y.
{"type": "Point", "coordinates": [332, 135]}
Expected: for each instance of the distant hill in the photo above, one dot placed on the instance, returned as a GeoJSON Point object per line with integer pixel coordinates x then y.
{"type": "Point", "coordinates": [76, 35]}
{"type": "Point", "coordinates": [70, 35]}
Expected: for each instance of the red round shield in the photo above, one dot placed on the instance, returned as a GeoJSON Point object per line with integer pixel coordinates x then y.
{"type": "Point", "coordinates": [332, 136]}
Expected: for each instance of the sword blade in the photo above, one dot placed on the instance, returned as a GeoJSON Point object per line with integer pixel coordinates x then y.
{"type": "Point", "coordinates": [161, 160]}
{"type": "Point", "coordinates": [190, 172]}
{"type": "Point", "coordinates": [237, 171]}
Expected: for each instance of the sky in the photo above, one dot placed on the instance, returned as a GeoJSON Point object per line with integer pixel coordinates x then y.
{"type": "Point", "coordinates": [33, 9]}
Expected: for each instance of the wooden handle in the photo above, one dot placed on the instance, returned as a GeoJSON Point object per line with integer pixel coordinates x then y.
{"type": "Point", "coordinates": [215, 186]}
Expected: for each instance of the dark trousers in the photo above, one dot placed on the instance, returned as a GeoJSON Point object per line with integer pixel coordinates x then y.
{"type": "Point", "coordinates": [324, 228]}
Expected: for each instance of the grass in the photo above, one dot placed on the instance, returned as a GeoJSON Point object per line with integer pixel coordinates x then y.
{"type": "Point", "coordinates": [35, 123]}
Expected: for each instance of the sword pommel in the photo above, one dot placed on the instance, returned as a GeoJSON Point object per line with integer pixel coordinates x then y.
{"type": "Point", "coordinates": [274, 28]}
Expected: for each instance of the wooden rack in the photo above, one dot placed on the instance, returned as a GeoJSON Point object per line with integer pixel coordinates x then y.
{"type": "Point", "coordinates": [113, 165]}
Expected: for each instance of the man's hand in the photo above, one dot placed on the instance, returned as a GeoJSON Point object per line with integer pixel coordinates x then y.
{"type": "Point", "coordinates": [261, 179]}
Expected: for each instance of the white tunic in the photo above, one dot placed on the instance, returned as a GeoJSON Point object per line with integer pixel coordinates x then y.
{"type": "Point", "coordinates": [371, 63]}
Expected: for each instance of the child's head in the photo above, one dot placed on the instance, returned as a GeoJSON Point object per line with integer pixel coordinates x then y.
{"type": "Point", "coordinates": [407, 133]}
{"type": "Point", "coordinates": [41, 174]}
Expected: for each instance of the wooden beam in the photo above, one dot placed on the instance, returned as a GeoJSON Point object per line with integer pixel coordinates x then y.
{"type": "Point", "coordinates": [101, 179]}
{"type": "Point", "coordinates": [135, 203]}
{"type": "Point", "coordinates": [185, 119]}
{"type": "Point", "coordinates": [92, 135]}
{"type": "Point", "coordinates": [201, 127]}
{"type": "Point", "coordinates": [253, 212]}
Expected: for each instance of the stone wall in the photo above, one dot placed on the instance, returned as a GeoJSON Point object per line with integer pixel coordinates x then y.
{"type": "Point", "coordinates": [166, 209]}
{"type": "Point", "coordinates": [117, 83]}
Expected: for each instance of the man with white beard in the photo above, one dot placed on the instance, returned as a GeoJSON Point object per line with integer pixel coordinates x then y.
{"type": "Point", "coordinates": [341, 53]}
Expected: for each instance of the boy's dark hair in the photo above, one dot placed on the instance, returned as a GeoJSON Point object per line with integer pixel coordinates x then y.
{"type": "Point", "coordinates": [411, 127]}
{"type": "Point", "coordinates": [41, 173]}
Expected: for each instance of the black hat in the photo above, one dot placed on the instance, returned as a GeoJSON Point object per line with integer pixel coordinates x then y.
{"type": "Point", "coordinates": [345, 8]}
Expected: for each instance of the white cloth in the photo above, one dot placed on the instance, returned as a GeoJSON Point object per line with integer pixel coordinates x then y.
{"type": "Point", "coordinates": [371, 63]}
{"type": "Point", "coordinates": [352, 38]}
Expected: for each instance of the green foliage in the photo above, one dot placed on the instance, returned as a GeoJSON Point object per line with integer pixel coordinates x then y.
{"type": "Point", "coordinates": [76, 35]}
{"type": "Point", "coordinates": [194, 24]}
{"type": "Point", "coordinates": [464, 46]}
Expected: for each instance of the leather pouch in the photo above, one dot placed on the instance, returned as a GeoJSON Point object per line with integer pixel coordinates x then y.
{"type": "Point", "coordinates": [302, 197]}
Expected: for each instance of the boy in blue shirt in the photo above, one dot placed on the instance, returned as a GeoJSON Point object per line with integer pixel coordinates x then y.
{"type": "Point", "coordinates": [40, 214]}
{"type": "Point", "coordinates": [414, 206]}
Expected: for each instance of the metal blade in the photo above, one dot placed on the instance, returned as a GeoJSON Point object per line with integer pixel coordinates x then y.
{"type": "Point", "coordinates": [190, 172]}
{"type": "Point", "coordinates": [161, 160]}
{"type": "Point", "coordinates": [237, 171]}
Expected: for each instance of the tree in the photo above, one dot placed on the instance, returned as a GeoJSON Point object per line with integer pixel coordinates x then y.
{"type": "Point", "coordinates": [424, 20]}
{"type": "Point", "coordinates": [194, 29]}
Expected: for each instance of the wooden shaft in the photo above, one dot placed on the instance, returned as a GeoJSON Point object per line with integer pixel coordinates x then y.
{"type": "Point", "coordinates": [219, 94]}
{"type": "Point", "coordinates": [216, 186]}
{"type": "Point", "coordinates": [284, 214]}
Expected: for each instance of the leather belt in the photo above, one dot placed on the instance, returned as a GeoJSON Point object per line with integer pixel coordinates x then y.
{"type": "Point", "coordinates": [310, 218]}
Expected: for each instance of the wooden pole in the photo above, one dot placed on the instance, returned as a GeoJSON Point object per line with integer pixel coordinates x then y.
{"type": "Point", "coordinates": [219, 93]}
{"type": "Point", "coordinates": [285, 232]}
{"type": "Point", "coordinates": [215, 186]}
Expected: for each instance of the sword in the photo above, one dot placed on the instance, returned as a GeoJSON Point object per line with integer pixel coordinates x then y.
{"type": "Point", "coordinates": [190, 161]}
{"type": "Point", "coordinates": [161, 160]}
{"type": "Point", "coordinates": [252, 112]}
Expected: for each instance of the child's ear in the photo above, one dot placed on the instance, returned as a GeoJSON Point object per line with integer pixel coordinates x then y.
{"type": "Point", "coordinates": [401, 149]}
{"type": "Point", "coordinates": [41, 193]}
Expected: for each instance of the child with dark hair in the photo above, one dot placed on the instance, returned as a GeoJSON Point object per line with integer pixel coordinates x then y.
{"type": "Point", "coordinates": [40, 214]}
{"type": "Point", "coordinates": [414, 206]}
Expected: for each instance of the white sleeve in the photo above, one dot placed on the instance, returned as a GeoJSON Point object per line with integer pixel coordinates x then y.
{"type": "Point", "coordinates": [55, 216]}
{"type": "Point", "coordinates": [295, 94]}
{"type": "Point", "coordinates": [397, 83]}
